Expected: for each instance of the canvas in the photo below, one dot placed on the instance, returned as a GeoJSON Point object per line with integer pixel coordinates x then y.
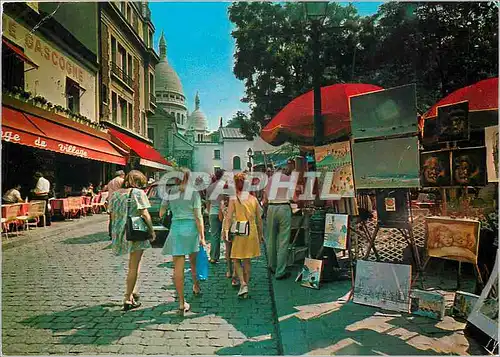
{"type": "Point", "coordinates": [427, 303]}
{"type": "Point", "coordinates": [463, 304]}
{"type": "Point", "coordinates": [384, 113]}
{"type": "Point", "coordinates": [383, 285]}
{"type": "Point", "coordinates": [311, 273]}
{"type": "Point", "coordinates": [391, 163]}
{"type": "Point", "coordinates": [392, 207]}
{"type": "Point", "coordinates": [336, 159]}
{"type": "Point", "coordinates": [454, 239]}
{"type": "Point", "coordinates": [435, 169]}
{"type": "Point", "coordinates": [491, 140]}
{"type": "Point", "coordinates": [336, 226]}
{"type": "Point", "coordinates": [484, 315]}
{"type": "Point", "coordinates": [469, 167]}
{"type": "Point", "coordinates": [453, 122]}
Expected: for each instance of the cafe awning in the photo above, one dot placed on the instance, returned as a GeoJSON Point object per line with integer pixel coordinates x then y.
{"type": "Point", "coordinates": [148, 155]}
{"type": "Point", "coordinates": [18, 52]}
{"type": "Point", "coordinates": [37, 132]}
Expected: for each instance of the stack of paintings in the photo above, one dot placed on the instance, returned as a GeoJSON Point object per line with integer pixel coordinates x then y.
{"type": "Point", "coordinates": [464, 303]}
{"type": "Point", "coordinates": [336, 226]}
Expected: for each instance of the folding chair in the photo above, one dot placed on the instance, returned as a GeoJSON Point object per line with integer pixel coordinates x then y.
{"type": "Point", "coordinates": [103, 198]}
{"type": "Point", "coordinates": [11, 212]}
{"type": "Point", "coordinates": [87, 207]}
{"type": "Point", "coordinates": [35, 211]}
{"type": "Point", "coordinates": [74, 206]}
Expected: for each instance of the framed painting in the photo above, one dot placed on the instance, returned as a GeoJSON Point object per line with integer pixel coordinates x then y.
{"type": "Point", "coordinates": [463, 304]}
{"type": "Point", "coordinates": [484, 315]}
{"type": "Point", "coordinates": [435, 169]}
{"type": "Point", "coordinates": [336, 227]}
{"type": "Point", "coordinates": [311, 273]}
{"type": "Point", "coordinates": [383, 285]}
{"type": "Point", "coordinates": [453, 239]}
{"type": "Point", "coordinates": [392, 208]}
{"type": "Point", "coordinates": [453, 122]}
{"type": "Point", "coordinates": [334, 162]}
{"type": "Point", "coordinates": [491, 140]}
{"type": "Point", "coordinates": [427, 303]}
{"type": "Point", "coordinates": [391, 163]}
{"type": "Point", "coordinates": [469, 167]}
{"type": "Point", "coordinates": [384, 113]}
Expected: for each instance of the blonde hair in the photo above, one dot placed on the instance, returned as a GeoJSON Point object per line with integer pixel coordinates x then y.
{"type": "Point", "coordinates": [135, 179]}
{"type": "Point", "coordinates": [239, 181]}
{"type": "Point", "coordinates": [185, 178]}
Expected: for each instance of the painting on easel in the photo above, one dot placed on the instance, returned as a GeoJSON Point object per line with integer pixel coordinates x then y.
{"type": "Point", "coordinates": [453, 122]}
{"type": "Point", "coordinates": [469, 167]}
{"type": "Point", "coordinates": [491, 140]}
{"type": "Point", "coordinates": [336, 231]}
{"type": "Point", "coordinates": [453, 239]}
{"type": "Point", "coordinates": [435, 169]}
{"type": "Point", "coordinates": [392, 208]}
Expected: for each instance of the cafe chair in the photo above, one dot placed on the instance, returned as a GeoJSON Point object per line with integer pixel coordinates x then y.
{"type": "Point", "coordinates": [35, 211]}
{"type": "Point", "coordinates": [74, 207]}
{"type": "Point", "coordinates": [101, 204]}
{"type": "Point", "coordinates": [87, 204]}
{"type": "Point", "coordinates": [11, 217]}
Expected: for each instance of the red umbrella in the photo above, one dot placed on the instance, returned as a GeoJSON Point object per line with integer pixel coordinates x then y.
{"type": "Point", "coordinates": [295, 122]}
{"type": "Point", "coordinates": [483, 102]}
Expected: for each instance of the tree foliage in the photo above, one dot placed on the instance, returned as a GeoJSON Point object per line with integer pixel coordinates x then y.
{"type": "Point", "coordinates": [439, 46]}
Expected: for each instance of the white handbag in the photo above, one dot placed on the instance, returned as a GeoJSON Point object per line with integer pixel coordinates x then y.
{"type": "Point", "coordinates": [240, 228]}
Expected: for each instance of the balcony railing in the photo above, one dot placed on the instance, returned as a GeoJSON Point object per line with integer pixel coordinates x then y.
{"type": "Point", "coordinates": [152, 99]}
{"type": "Point", "coordinates": [121, 74]}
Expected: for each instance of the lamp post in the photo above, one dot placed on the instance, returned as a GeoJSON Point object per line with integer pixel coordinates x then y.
{"type": "Point", "coordinates": [250, 157]}
{"type": "Point", "coordinates": [316, 13]}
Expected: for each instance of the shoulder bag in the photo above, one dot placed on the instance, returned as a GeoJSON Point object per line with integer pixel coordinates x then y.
{"type": "Point", "coordinates": [241, 228]}
{"type": "Point", "coordinates": [136, 229]}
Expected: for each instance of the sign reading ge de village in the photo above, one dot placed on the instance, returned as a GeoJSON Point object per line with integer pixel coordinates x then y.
{"type": "Point", "coordinates": [21, 36]}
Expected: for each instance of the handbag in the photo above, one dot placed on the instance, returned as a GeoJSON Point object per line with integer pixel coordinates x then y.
{"type": "Point", "coordinates": [240, 228]}
{"type": "Point", "coordinates": [136, 229]}
{"type": "Point", "coordinates": [202, 264]}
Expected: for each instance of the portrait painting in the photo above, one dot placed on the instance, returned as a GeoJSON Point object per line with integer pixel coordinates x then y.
{"type": "Point", "coordinates": [484, 315]}
{"type": "Point", "coordinates": [453, 239]}
{"type": "Point", "coordinates": [384, 113]}
{"type": "Point", "coordinates": [435, 169]}
{"type": "Point", "coordinates": [428, 304]}
{"type": "Point", "coordinates": [311, 273]}
{"type": "Point", "coordinates": [469, 167]}
{"type": "Point", "coordinates": [392, 207]}
{"type": "Point", "coordinates": [336, 226]}
{"type": "Point", "coordinates": [453, 122]}
{"type": "Point", "coordinates": [334, 163]}
{"type": "Point", "coordinates": [391, 163]}
{"type": "Point", "coordinates": [491, 140]}
{"type": "Point", "coordinates": [383, 285]}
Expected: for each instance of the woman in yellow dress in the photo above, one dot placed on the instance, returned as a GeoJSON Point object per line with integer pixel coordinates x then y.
{"type": "Point", "coordinates": [244, 207]}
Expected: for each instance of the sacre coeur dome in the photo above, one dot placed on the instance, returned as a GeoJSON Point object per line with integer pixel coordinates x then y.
{"type": "Point", "coordinates": [166, 78]}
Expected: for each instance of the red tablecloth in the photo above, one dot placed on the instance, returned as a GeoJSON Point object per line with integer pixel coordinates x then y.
{"type": "Point", "coordinates": [60, 205]}
{"type": "Point", "coordinates": [23, 209]}
{"type": "Point", "coordinates": [86, 200]}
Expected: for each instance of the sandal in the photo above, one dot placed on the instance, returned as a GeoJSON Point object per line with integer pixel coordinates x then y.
{"type": "Point", "coordinates": [197, 292]}
{"type": "Point", "coordinates": [243, 293]}
{"type": "Point", "coordinates": [136, 297]}
{"type": "Point", "coordinates": [228, 275]}
{"type": "Point", "coordinates": [235, 282]}
{"type": "Point", "coordinates": [182, 311]}
{"type": "Point", "coordinates": [129, 305]}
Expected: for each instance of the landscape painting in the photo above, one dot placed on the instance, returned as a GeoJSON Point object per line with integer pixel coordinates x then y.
{"type": "Point", "coordinates": [453, 239]}
{"type": "Point", "coordinates": [392, 163]}
{"type": "Point", "coordinates": [336, 231]}
{"type": "Point", "coordinates": [463, 304]}
{"type": "Point", "coordinates": [435, 169]}
{"type": "Point", "coordinates": [334, 162]}
{"type": "Point", "coordinates": [311, 273]}
{"type": "Point", "coordinates": [453, 122]}
{"type": "Point", "coordinates": [383, 285]}
{"type": "Point", "coordinates": [384, 113]}
{"type": "Point", "coordinates": [427, 303]}
{"type": "Point", "coordinates": [469, 167]}
{"type": "Point", "coordinates": [491, 140]}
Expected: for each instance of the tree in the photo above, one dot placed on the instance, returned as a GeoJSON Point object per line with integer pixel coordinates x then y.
{"type": "Point", "coordinates": [249, 128]}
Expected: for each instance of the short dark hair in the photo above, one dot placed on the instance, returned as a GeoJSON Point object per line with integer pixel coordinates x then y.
{"type": "Point", "coordinates": [219, 173]}
{"type": "Point", "coordinates": [38, 174]}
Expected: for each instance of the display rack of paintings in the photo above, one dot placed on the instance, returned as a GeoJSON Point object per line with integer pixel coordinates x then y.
{"type": "Point", "coordinates": [491, 140]}
{"type": "Point", "coordinates": [391, 163]}
{"type": "Point", "coordinates": [336, 229]}
{"type": "Point", "coordinates": [393, 208]}
{"type": "Point", "coordinates": [469, 167]}
{"type": "Point", "coordinates": [334, 162]}
{"type": "Point", "coordinates": [427, 303]}
{"type": "Point", "coordinates": [484, 315]}
{"type": "Point", "coordinates": [310, 275]}
{"type": "Point", "coordinates": [453, 122]}
{"type": "Point", "coordinates": [383, 285]}
{"type": "Point", "coordinates": [384, 113]}
{"type": "Point", "coordinates": [435, 169]}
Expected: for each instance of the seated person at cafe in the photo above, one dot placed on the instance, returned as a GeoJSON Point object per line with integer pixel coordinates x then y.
{"type": "Point", "coordinates": [13, 195]}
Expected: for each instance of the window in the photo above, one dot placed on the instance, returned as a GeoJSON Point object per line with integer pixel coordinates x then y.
{"type": "Point", "coordinates": [150, 38]}
{"type": "Point", "coordinates": [216, 168]}
{"type": "Point", "coordinates": [236, 163]}
{"type": "Point", "coordinates": [123, 58]}
{"type": "Point", "coordinates": [130, 117]}
{"type": "Point", "coordinates": [178, 118]}
{"type": "Point", "coordinates": [217, 154]}
{"type": "Point", "coordinates": [114, 107]}
{"type": "Point", "coordinates": [113, 50]}
{"type": "Point", "coordinates": [72, 95]}
{"type": "Point", "coordinates": [123, 7]}
{"type": "Point", "coordinates": [104, 94]}
{"type": "Point", "coordinates": [129, 13]}
{"type": "Point", "coordinates": [12, 69]}
{"type": "Point", "coordinates": [143, 121]}
{"type": "Point", "coordinates": [182, 119]}
{"type": "Point", "coordinates": [151, 134]}
{"type": "Point", "coordinates": [123, 109]}
{"type": "Point", "coordinates": [128, 70]}
{"type": "Point", "coordinates": [151, 83]}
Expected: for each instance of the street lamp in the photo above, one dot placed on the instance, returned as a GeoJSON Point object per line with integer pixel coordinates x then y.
{"type": "Point", "coordinates": [250, 157]}
{"type": "Point", "coordinates": [316, 13]}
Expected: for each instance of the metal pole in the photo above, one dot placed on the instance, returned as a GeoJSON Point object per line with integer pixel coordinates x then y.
{"type": "Point", "coordinates": [318, 120]}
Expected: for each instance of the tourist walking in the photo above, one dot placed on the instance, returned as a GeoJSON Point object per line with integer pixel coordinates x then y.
{"type": "Point", "coordinates": [186, 234]}
{"type": "Point", "coordinates": [130, 200]}
{"type": "Point", "coordinates": [115, 184]}
{"type": "Point", "coordinates": [215, 208]}
{"type": "Point", "coordinates": [247, 231]}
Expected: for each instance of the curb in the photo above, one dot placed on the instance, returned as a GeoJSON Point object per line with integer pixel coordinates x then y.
{"type": "Point", "coordinates": [55, 230]}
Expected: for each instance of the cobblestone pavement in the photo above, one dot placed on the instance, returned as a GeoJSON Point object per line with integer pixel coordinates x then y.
{"type": "Point", "coordinates": [62, 295]}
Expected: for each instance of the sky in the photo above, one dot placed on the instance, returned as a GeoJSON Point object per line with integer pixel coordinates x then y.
{"type": "Point", "coordinates": [200, 49]}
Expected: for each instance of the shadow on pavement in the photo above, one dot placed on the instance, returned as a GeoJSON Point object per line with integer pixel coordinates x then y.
{"type": "Point", "coordinates": [88, 239]}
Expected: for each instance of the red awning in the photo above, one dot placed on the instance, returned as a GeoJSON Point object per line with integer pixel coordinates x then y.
{"type": "Point", "coordinates": [30, 130]}
{"type": "Point", "coordinates": [19, 52]}
{"type": "Point", "coordinates": [149, 156]}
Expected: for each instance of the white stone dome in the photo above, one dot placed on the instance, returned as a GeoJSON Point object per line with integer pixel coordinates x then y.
{"type": "Point", "coordinates": [197, 119]}
{"type": "Point", "coordinates": [167, 79]}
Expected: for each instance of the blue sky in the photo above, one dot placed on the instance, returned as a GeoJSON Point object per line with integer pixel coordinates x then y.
{"type": "Point", "coordinates": [200, 49]}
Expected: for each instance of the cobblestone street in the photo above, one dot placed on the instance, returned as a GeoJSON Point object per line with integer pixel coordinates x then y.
{"type": "Point", "coordinates": [63, 294]}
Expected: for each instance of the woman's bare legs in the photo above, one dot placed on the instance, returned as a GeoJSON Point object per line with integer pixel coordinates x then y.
{"type": "Point", "coordinates": [246, 270]}
{"type": "Point", "coordinates": [239, 271]}
{"type": "Point", "coordinates": [230, 269]}
{"type": "Point", "coordinates": [194, 275]}
{"type": "Point", "coordinates": [132, 274]}
{"type": "Point", "coordinates": [179, 278]}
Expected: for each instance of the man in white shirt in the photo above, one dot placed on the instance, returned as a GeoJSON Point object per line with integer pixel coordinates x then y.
{"type": "Point", "coordinates": [41, 193]}
{"type": "Point", "coordinates": [13, 195]}
{"type": "Point", "coordinates": [115, 184]}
